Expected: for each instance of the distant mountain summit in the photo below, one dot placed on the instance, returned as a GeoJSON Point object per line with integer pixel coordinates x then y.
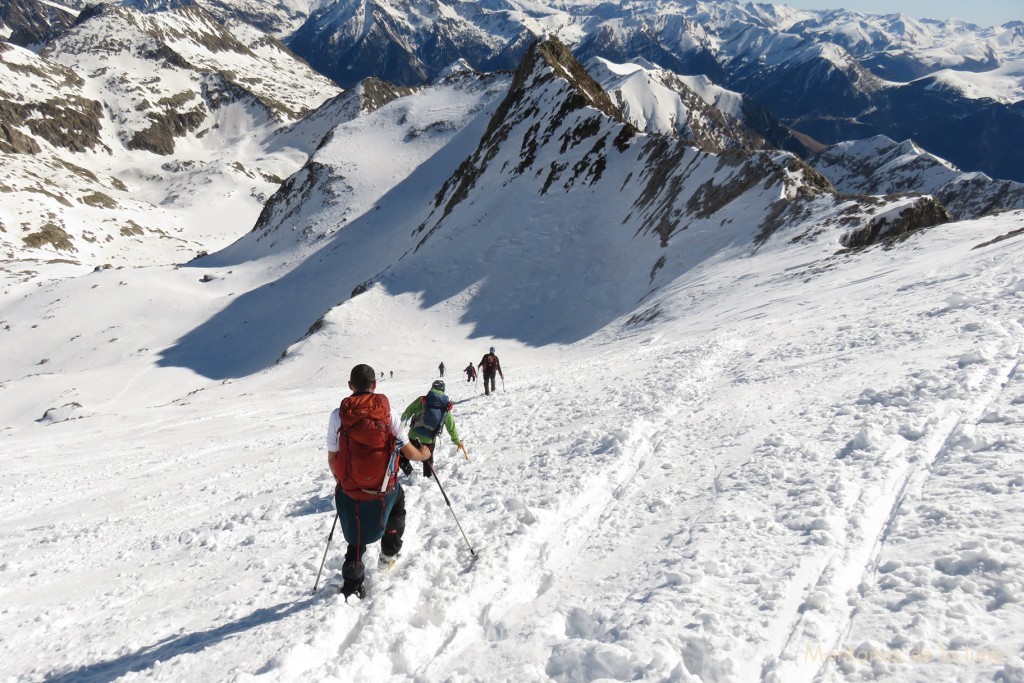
{"type": "Point", "coordinates": [696, 110]}
{"type": "Point", "coordinates": [882, 166]}
{"type": "Point", "coordinates": [408, 42]}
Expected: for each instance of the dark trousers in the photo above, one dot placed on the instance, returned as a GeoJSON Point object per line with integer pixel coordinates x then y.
{"type": "Point", "coordinates": [489, 382]}
{"type": "Point", "coordinates": [428, 464]}
{"type": "Point", "coordinates": [361, 524]}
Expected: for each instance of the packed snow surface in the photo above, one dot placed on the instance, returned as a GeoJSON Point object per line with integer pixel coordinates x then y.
{"type": "Point", "coordinates": [798, 466]}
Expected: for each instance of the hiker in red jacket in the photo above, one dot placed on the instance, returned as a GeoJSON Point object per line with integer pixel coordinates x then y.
{"type": "Point", "coordinates": [364, 440]}
{"type": "Point", "coordinates": [490, 365]}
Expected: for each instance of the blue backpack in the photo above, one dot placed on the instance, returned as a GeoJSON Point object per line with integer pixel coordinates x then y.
{"type": "Point", "coordinates": [428, 423]}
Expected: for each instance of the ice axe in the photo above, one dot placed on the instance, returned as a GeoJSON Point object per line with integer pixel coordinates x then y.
{"type": "Point", "coordinates": [463, 449]}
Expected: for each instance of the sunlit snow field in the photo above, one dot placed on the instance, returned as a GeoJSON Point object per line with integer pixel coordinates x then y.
{"type": "Point", "coordinates": [794, 466]}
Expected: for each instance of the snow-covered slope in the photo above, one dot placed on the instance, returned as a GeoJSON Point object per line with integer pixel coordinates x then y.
{"type": "Point", "coordinates": [1003, 84]}
{"type": "Point", "coordinates": [379, 136]}
{"type": "Point", "coordinates": [574, 177]}
{"type": "Point", "coordinates": [803, 467]}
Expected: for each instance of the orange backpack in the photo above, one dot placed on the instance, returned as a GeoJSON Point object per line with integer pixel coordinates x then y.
{"type": "Point", "coordinates": [365, 447]}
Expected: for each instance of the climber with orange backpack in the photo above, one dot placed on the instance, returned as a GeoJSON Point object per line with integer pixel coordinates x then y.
{"type": "Point", "coordinates": [364, 442]}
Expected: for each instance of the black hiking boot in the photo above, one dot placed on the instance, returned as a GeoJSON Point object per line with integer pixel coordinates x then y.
{"type": "Point", "coordinates": [349, 589]}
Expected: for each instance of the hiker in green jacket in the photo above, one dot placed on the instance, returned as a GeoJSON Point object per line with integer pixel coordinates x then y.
{"type": "Point", "coordinates": [427, 415]}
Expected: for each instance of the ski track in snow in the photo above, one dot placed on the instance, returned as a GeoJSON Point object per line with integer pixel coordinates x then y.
{"type": "Point", "coordinates": [587, 476]}
{"type": "Point", "coordinates": [844, 573]}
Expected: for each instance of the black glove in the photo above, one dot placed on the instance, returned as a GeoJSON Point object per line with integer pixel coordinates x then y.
{"type": "Point", "coordinates": [405, 465]}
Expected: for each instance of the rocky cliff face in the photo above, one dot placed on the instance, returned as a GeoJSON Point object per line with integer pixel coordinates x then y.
{"type": "Point", "coordinates": [898, 224]}
{"type": "Point", "coordinates": [54, 109]}
{"type": "Point", "coordinates": [33, 23]}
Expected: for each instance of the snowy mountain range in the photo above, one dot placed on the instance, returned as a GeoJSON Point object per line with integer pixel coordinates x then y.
{"type": "Point", "coordinates": [833, 76]}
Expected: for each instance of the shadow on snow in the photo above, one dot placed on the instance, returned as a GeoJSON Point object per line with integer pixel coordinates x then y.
{"type": "Point", "coordinates": [178, 645]}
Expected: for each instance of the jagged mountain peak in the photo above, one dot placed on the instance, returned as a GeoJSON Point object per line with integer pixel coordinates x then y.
{"type": "Point", "coordinates": [552, 53]}
{"type": "Point", "coordinates": [549, 93]}
{"type": "Point", "coordinates": [557, 131]}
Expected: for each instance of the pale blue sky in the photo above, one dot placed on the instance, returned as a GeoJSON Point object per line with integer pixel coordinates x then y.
{"type": "Point", "coordinates": [983, 12]}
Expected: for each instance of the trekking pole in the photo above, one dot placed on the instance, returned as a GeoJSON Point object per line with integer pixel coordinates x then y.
{"type": "Point", "coordinates": [503, 382]}
{"type": "Point", "coordinates": [329, 537]}
{"type": "Point", "coordinates": [462, 448]}
{"type": "Point", "coordinates": [471, 551]}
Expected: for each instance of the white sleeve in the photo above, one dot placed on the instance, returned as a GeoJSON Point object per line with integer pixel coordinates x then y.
{"type": "Point", "coordinates": [396, 428]}
{"type": "Point", "coordinates": [333, 425]}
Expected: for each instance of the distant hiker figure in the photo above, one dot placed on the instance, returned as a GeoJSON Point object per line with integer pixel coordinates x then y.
{"type": "Point", "coordinates": [470, 372]}
{"type": "Point", "coordinates": [427, 415]}
{"type": "Point", "coordinates": [391, 374]}
{"type": "Point", "coordinates": [440, 369]}
{"type": "Point", "coordinates": [491, 366]}
{"type": "Point", "coordinates": [363, 444]}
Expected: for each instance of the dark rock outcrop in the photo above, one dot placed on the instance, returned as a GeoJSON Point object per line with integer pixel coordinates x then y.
{"type": "Point", "coordinates": [922, 214]}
